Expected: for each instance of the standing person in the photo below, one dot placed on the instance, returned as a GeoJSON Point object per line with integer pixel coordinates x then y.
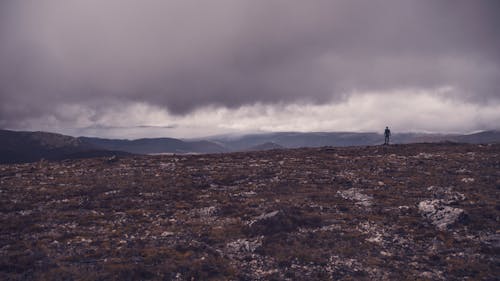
{"type": "Point", "coordinates": [387, 134]}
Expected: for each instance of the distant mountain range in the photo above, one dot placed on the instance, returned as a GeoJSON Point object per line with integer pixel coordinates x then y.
{"type": "Point", "coordinates": [318, 139]}
{"type": "Point", "coordinates": [156, 145]}
{"type": "Point", "coordinates": [19, 147]}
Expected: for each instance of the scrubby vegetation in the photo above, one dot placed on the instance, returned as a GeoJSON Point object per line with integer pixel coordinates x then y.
{"type": "Point", "coordinates": [402, 212]}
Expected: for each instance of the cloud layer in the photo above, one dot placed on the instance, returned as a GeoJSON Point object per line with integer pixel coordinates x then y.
{"type": "Point", "coordinates": [62, 59]}
{"type": "Point", "coordinates": [418, 111]}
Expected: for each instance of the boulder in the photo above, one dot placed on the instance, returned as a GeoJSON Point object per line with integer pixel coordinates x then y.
{"type": "Point", "coordinates": [439, 214]}
{"type": "Point", "coordinates": [281, 221]}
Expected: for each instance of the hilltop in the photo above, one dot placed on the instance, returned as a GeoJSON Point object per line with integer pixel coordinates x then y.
{"type": "Point", "coordinates": [21, 147]}
{"type": "Point", "coordinates": [399, 212]}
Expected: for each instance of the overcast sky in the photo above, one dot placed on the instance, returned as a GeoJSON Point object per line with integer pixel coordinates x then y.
{"type": "Point", "coordinates": [130, 68]}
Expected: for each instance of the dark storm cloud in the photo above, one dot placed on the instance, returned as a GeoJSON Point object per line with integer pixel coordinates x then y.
{"type": "Point", "coordinates": [182, 55]}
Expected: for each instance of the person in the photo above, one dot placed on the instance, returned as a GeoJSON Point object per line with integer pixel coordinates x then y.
{"type": "Point", "coordinates": [387, 134]}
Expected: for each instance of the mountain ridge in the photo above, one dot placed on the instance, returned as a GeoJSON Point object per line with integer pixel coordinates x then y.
{"type": "Point", "coordinates": [21, 147]}
{"type": "Point", "coordinates": [25, 146]}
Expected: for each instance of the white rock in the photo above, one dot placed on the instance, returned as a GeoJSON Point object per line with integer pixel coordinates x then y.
{"type": "Point", "coordinates": [207, 212]}
{"type": "Point", "coordinates": [244, 245]}
{"type": "Point", "coordinates": [267, 215]}
{"type": "Point", "coordinates": [384, 253]}
{"type": "Point", "coordinates": [441, 215]}
{"type": "Point", "coordinates": [166, 233]}
{"type": "Point", "coordinates": [354, 194]}
{"type": "Point", "coordinates": [468, 180]}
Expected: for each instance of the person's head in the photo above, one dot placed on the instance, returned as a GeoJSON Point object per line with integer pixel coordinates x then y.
{"type": "Point", "coordinates": [387, 127]}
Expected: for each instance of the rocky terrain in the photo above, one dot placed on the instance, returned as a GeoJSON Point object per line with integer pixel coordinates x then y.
{"type": "Point", "coordinates": [399, 212]}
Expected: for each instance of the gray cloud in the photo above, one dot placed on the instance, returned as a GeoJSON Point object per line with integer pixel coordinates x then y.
{"type": "Point", "coordinates": [183, 55]}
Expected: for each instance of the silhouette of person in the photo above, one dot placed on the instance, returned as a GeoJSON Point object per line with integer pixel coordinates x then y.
{"type": "Point", "coordinates": [387, 134]}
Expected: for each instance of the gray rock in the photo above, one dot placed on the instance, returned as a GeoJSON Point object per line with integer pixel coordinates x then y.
{"type": "Point", "coordinates": [281, 221]}
{"type": "Point", "coordinates": [354, 194]}
{"type": "Point", "coordinates": [264, 217]}
{"type": "Point", "coordinates": [446, 194]}
{"type": "Point", "coordinates": [242, 246]}
{"type": "Point", "coordinates": [440, 215]}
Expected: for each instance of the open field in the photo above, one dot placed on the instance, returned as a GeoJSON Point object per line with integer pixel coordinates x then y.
{"type": "Point", "coordinates": [400, 212]}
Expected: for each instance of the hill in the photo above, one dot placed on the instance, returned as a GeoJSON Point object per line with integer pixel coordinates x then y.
{"type": "Point", "coordinates": [340, 139]}
{"type": "Point", "coordinates": [19, 147]}
{"type": "Point", "coordinates": [265, 146]}
{"type": "Point", "coordinates": [296, 140]}
{"type": "Point", "coordinates": [400, 212]}
{"type": "Point", "coordinates": [155, 145]}
{"type": "Point", "coordinates": [481, 137]}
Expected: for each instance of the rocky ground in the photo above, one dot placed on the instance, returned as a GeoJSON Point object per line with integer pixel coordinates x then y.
{"type": "Point", "coordinates": [402, 212]}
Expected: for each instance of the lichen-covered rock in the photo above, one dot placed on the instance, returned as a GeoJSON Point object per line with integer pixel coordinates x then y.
{"type": "Point", "coordinates": [265, 216]}
{"type": "Point", "coordinates": [440, 215]}
{"type": "Point", "coordinates": [355, 194]}
{"type": "Point", "coordinates": [281, 221]}
{"type": "Point", "coordinates": [243, 246]}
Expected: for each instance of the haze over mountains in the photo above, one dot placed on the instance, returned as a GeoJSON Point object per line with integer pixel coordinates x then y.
{"type": "Point", "coordinates": [18, 147]}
